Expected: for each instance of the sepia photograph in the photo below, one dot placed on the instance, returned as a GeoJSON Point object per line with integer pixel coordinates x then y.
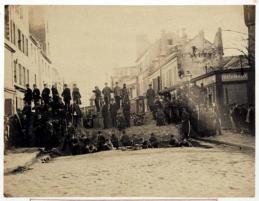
{"type": "Point", "coordinates": [129, 101]}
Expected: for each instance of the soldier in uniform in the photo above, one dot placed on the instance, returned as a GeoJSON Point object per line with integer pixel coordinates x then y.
{"type": "Point", "coordinates": [150, 95]}
{"type": "Point", "coordinates": [113, 111]}
{"type": "Point", "coordinates": [28, 95]}
{"type": "Point", "coordinates": [153, 141]}
{"type": "Point", "coordinates": [35, 95]}
{"type": "Point", "coordinates": [125, 95]}
{"type": "Point", "coordinates": [97, 99]}
{"type": "Point", "coordinates": [76, 94]}
{"type": "Point", "coordinates": [107, 93]}
{"type": "Point", "coordinates": [125, 139]}
{"type": "Point", "coordinates": [55, 94]}
{"type": "Point", "coordinates": [45, 94]}
{"type": "Point", "coordinates": [66, 96]}
{"type": "Point", "coordinates": [117, 94]}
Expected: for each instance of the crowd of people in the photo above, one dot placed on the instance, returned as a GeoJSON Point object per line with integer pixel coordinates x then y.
{"type": "Point", "coordinates": [56, 122]}
{"type": "Point", "coordinates": [115, 110]}
{"type": "Point", "coordinates": [45, 116]}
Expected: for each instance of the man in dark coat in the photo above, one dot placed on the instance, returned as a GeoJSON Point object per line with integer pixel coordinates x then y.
{"type": "Point", "coordinates": [28, 95]}
{"type": "Point", "coordinates": [66, 96]}
{"type": "Point", "coordinates": [107, 93]}
{"type": "Point", "coordinates": [35, 95]}
{"type": "Point", "coordinates": [100, 141]}
{"type": "Point", "coordinates": [117, 94]}
{"type": "Point", "coordinates": [97, 99]}
{"type": "Point", "coordinates": [105, 115]}
{"type": "Point", "coordinates": [76, 114]}
{"type": "Point", "coordinates": [150, 97]}
{"type": "Point", "coordinates": [113, 111]}
{"type": "Point", "coordinates": [55, 94]}
{"type": "Point", "coordinates": [125, 95]}
{"type": "Point", "coordinates": [76, 94]}
{"type": "Point", "coordinates": [45, 94]}
{"type": "Point", "coordinates": [125, 139]}
{"type": "Point", "coordinates": [126, 113]}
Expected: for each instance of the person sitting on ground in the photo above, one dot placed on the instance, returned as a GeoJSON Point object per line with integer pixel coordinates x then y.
{"type": "Point", "coordinates": [108, 145]}
{"type": "Point", "coordinates": [145, 144]}
{"type": "Point", "coordinates": [115, 140]}
{"type": "Point", "coordinates": [125, 140]}
{"type": "Point", "coordinates": [75, 147]}
{"type": "Point", "coordinates": [153, 141]}
{"type": "Point", "coordinates": [100, 141]}
{"type": "Point", "coordinates": [173, 141]}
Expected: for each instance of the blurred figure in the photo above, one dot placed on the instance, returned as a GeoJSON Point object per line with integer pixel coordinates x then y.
{"type": "Point", "coordinates": [28, 95]}
{"type": "Point", "coordinates": [153, 141]}
{"type": "Point", "coordinates": [250, 119]}
{"type": "Point", "coordinates": [113, 111]}
{"type": "Point", "coordinates": [76, 114]}
{"type": "Point", "coordinates": [97, 99]}
{"type": "Point", "coordinates": [125, 140]}
{"type": "Point", "coordinates": [45, 94]}
{"type": "Point", "coordinates": [55, 94]}
{"type": "Point", "coordinates": [76, 94]}
{"type": "Point", "coordinates": [117, 94]}
{"type": "Point", "coordinates": [150, 95]}
{"type": "Point", "coordinates": [126, 113]}
{"type": "Point", "coordinates": [66, 96]}
{"type": "Point", "coordinates": [107, 93]}
{"type": "Point", "coordinates": [36, 95]}
{"type": "Point", "coordinates": [125, 95]}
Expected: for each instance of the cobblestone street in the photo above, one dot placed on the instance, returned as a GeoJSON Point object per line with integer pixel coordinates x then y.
{"type": "Point", "coordinates": [217, 171]}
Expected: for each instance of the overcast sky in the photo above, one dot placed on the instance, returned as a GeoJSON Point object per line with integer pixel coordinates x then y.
{"type": "Point", "coordinates": [88, 41]}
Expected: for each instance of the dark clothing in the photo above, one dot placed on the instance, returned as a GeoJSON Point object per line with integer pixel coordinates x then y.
{"type": "Point", "coordinates": [28, 96]}
{"type": "Point", "coordinates": [125, 96]}
{"type": "Point", "coordinates": [117, 95]}
{"type": "Point", "coordinates": [97, 99]}
{"type": "Point", "coordinates": [115, 141]}
{"type": "Point", "coordinates": [126, 113]}
{"type": "Point", "coordinates": [66, 96]}
{"type": "Point", "coordinates": [45, 95]}
{"type": "Point", "coordinates": [76, 113]}
{"type": "Point", "coordinates": [125, 140]}
{"type": "Point", "coordinates": [36, 95]}
{"type": "Point", "coordinates": [55, 94]}
{"type": "Point", "coordinates": [107, 94]}
{"type": "Point", "coordinates": [153, 142]}
{"type": "Point", "coordinates": [106, 116]}
{"type": "Point", "coordinates": [113, 111]}
{"type": "Point", "coordinates": [100, 143]}
{"type": "Point", "coordinates": [76, 95]}
{"type": "Point", "coordinates": [150, 98]}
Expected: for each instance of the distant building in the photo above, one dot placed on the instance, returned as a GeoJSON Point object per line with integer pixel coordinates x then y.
{"type": "Point", "coordinates": [26, 62]}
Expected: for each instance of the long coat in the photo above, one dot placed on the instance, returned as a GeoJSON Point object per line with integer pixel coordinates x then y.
{"type": "Point", "coordinates": [150, 97]}
{"type": "Point", "coordinates": [66, 94]}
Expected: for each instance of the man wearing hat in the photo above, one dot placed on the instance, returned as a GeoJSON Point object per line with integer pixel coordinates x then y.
{"type": "Point", "coordinates": [107, 93]}
{"type": "Point", "coordinates": [150, 97]}
{"type": "Point", "coordinates": [28, 95]}
{"type": "Point", "coordinates": [117, 94]}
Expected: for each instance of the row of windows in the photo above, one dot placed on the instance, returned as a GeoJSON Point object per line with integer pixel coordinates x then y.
{"type": "Point", "coordinates": [18, 38]}
{"type": "Point", "coordinates": [21, 74]}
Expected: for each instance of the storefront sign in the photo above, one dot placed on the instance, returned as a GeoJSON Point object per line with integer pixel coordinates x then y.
{"type": "Point", "coordinates": [234, 76]}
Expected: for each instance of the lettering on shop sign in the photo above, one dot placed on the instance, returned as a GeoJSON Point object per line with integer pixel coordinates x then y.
{"type": "Point", "coordinates": [234, 77]}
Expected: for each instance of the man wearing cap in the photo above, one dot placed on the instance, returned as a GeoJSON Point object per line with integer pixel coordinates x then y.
{"type": "Point", "coordinates": [117, 94]}
{"type": "Point", "coordinates": [45, 94]}
{"type": "Point", "coordinates": [150, 97]}
{"type": "Point", "coordinates": [107, 93]}
{"type": "Point", "coordinates": [28, 95]}
{"type": "Point", "coordinates": [66, 94]}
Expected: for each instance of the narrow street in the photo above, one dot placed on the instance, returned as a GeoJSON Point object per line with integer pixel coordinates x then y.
{"type": "Point", "coordinates": [196, 171]}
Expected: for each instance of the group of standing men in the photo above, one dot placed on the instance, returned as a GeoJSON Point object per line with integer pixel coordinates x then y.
{"type": "Point", "coordinates": [55, 102]}
{"type": "Point", "coordinates": [110, 107]}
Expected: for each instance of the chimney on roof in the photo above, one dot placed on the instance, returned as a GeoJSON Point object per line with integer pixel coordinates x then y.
{"type": "Point", "coordinates": [218, 42]}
